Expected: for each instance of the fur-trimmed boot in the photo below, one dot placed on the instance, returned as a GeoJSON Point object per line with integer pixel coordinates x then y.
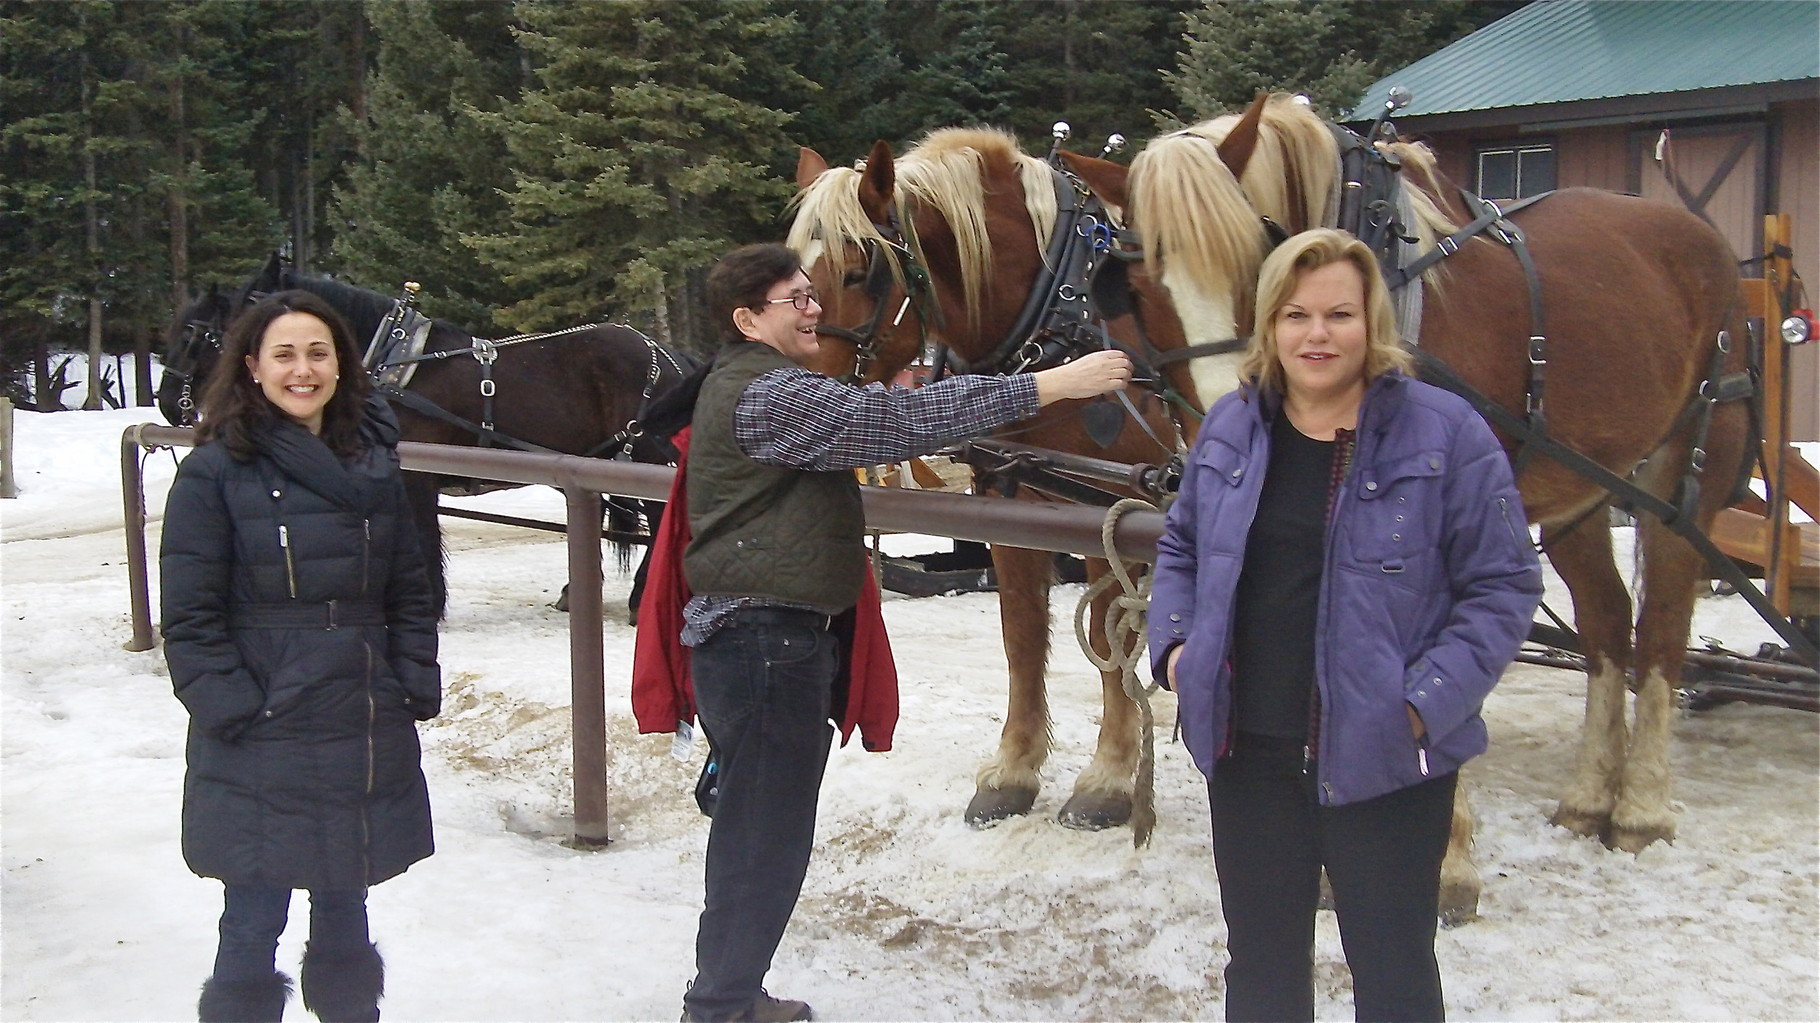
{"type": "Point", "coordinates": [344, 987]}
{"type": "Point", "coordinates": [244, 1001]}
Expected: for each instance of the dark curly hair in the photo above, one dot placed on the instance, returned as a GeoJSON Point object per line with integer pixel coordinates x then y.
{"type": "Point", "coordinates": [234, 409]}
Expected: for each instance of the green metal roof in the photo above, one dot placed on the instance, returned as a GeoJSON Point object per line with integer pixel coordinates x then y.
{"type": "Point", "coordinates": [1561, 51]}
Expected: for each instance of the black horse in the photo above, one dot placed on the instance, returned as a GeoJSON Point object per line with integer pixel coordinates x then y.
{"type": "Point", "coordinates": [583, 391]}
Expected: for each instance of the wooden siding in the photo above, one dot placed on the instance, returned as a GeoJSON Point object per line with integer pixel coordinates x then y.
{"type": "Point", "coordinates": [1594, 157]}
{"type": "Point", "coordinates": [1795, 190]}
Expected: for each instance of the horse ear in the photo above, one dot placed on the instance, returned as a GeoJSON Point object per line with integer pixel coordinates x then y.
{"type": "Point", "coordinates": [1107, 179]}
{"type": "Point", "coordinates": [1238, 145]}
{"type": "Point", "coordinates": [877, 182]}
{"type": "Point", "coordinates": [809, 166]}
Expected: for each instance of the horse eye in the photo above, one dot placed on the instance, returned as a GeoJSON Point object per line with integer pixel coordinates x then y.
{"type": "Point", "coordinates": [854, 278]}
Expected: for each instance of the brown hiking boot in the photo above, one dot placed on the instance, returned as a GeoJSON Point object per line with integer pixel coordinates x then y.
{"type": "Point", "coordinates": [767, 1009]}
{"type": "Point", "coordinates": [777, 1010]}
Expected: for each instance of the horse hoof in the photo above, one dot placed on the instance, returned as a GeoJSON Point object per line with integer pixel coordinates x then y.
{"type": "Point", "coordinates": [1634, 840]}
{"type": "Point", "coordinates": [1095, 813]}
{"type": "Point", "coordinates": [1459, 905]}
{"type": "Point", "coordinates": [989, 806]}
{"type": "Point", "coordinates": [1580, 822]}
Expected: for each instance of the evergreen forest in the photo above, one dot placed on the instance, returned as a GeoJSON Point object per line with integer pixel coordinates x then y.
{"type": "Point", "coordinates": [541, 163]}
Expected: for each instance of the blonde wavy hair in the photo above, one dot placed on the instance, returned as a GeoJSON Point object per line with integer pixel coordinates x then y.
{"type": "Point", "coordinates": [1277, 280]}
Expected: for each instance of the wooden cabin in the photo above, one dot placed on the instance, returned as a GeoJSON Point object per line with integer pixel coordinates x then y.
{"type": "Point", "coordinates": [1714, 104]}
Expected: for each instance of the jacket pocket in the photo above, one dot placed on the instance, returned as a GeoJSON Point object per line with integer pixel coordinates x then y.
{"type": "Point", "coordinates": [1396, 517]}
{"type": "Point", "coordinates": [1223, 461]}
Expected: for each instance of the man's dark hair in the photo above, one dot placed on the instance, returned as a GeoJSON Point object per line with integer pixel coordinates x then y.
{"type": "Point", "coordinates": [741, 280]}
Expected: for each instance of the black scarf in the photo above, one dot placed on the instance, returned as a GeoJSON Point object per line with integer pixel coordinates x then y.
{"type": "Point", "coordinates": [359, 484]}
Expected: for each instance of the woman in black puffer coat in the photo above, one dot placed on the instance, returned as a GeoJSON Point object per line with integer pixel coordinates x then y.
{"type": "Point", "coordinates": [298, 624]}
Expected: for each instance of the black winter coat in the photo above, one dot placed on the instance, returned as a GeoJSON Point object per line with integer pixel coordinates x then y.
{"type": "Point", "coordinates": [303, 756]}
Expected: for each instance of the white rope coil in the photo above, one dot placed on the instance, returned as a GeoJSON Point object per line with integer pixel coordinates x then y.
{"type": "Point", "coordinates": [1123, 632]}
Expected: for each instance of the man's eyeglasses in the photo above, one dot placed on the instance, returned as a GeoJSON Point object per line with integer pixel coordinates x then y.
{"type": "Point", "coordinates": [799, 299]}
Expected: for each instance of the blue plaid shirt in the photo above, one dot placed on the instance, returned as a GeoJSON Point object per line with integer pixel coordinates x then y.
{"type": "Point", "coordinates": [800, 419]}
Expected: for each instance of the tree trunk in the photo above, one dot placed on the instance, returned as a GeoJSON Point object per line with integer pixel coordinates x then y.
{"type": "Point", "coordinates": [660, 307]}
{"type": "Point", "coordinates": [177, 199]}
{"type": "Point", "coordinates": [142, 365]}
{"type": "Point", "coordinates": [93, 218]}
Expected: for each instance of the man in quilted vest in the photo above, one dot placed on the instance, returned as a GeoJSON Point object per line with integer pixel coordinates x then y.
{"type": "Point", "coordinates": [776, 560]}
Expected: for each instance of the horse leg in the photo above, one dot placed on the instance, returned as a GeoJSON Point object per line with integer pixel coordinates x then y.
{"type": "Point", "coordinates": [1582, 556]}
{"type": "Point", "coordinates": [1460, 884]}
{"type": "Point", "coordinates": [1006, 785]}
{"type": "Point", "coordinates": [422, 492]}
{"type": "Point", "coordinates": [562, 599]}
{"type": "Point", "coordinates": [1102, 794]}
{"type": "Point", "coordinates": [1671, 569]}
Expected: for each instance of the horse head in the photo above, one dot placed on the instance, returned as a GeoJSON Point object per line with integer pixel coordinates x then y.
{"type": "Point", "coordinates": [863, 264]}
{"type": "Point", "coordinates": [192, 346]}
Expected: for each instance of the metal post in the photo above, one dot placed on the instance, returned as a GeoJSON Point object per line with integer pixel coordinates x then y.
{"type": "Point", "coordinates": [587, 668]}
{"type": "Point", "coordinates": [132, 492]}
{"type": "Point", "coordinates": [8, 486]}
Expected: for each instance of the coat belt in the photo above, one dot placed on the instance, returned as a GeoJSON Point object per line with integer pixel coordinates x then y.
{"type": "Point", "coordinates": [324, 615]}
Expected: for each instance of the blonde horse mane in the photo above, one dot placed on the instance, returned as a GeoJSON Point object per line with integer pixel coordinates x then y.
{"type": "Point", "coordinates": [1196, 218]}
{"type": "Point", "coordinates": [946, 171]}
{"type": "Point", "coordinates": [829, 217]}
{"type": "Point", "coordinates": [1421, 186]}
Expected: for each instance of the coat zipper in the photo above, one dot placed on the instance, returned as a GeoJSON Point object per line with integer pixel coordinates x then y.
{"type": "Point", "coordinates": [366, 552]}
{"type": "Point", "coordinates": [1317, 706]}
{"type": "Point", "coordinates": [1504, 513]}
{"type": "Point", "coordinates": [290, 568]}
{"type": "Point", "coordinates": [366, 838]}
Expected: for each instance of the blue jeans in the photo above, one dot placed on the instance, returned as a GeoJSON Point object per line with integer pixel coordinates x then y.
{"type": "Point", "coordinates": [763, 687]}
{"type": "Point", "coordinates": [253, 916]}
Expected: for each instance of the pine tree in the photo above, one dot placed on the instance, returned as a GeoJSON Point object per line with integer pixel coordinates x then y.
{"type": "Point", "coordinates": [848, 50]}
{"type": "Point", "coordinates": [642, 153]}
{"type": "Point", "coordinates": [1328, 50]}
{"type": "Point", "coordinates": [955, 64]}
{"type": "Point", "coordinates": [46, 270]}
{"type": "Point", "coordinates": [1097, 64]}
{"type": "Point", "coordinates": [428, 172]}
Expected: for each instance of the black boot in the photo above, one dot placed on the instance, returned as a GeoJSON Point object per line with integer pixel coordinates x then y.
{"type": "Point", "coordinates": [244, 1001]}
{"type": "Point", "coordinates": [343, 987]}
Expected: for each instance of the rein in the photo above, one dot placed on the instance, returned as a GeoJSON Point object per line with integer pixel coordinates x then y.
{"type": "Point", "coordinates": [899, 245]}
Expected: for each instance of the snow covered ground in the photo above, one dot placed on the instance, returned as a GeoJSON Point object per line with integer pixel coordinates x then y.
{"type": "Point", "coordinates": [908, 914]}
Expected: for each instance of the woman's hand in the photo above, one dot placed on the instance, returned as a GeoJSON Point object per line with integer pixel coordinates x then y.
{"type": "Point", "coordinates": [1091, 374]}
{"type": "Point", "coordinates": [1174, 656]}
{"type": "Point", "coordinates": [1415, 721]}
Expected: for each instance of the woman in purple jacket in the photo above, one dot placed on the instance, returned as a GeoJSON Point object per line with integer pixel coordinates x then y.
{"type": "Point", "coordinates": [1344, 576]}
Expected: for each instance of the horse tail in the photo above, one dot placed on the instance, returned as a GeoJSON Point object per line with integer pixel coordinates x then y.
{"type": "Point", "coordinates": [623, 515]}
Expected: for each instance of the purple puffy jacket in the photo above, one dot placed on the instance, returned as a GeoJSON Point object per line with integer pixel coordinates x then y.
{"type": "Point", "coordinates": [1429, 587]}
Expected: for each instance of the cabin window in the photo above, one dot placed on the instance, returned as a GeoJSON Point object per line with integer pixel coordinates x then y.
{"type": "Point", "coordinates": [1516, 172]}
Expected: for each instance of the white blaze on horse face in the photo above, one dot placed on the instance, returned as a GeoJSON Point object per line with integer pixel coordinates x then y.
{"type": "Point", "coordinates": [1206, 318]}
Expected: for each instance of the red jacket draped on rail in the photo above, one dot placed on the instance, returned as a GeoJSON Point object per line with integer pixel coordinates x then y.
{"type": "Point", "coordinates": [662, 694]}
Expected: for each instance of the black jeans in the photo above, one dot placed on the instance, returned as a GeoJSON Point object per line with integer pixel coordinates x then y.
{"type": "Point", "coordinates": [253, 916]}
{"type": "Point", "coordinates": [1383, 858]}
{"type": "Point", "coordinates": [763, 687]}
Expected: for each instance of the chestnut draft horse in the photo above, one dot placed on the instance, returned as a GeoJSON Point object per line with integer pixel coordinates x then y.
{"type": "Point", "coordinates": [581, 391]}
{"type": "Point", "coordinates": [1635, 306]}
{"type": "Point", "coordinates": [950, 238]}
